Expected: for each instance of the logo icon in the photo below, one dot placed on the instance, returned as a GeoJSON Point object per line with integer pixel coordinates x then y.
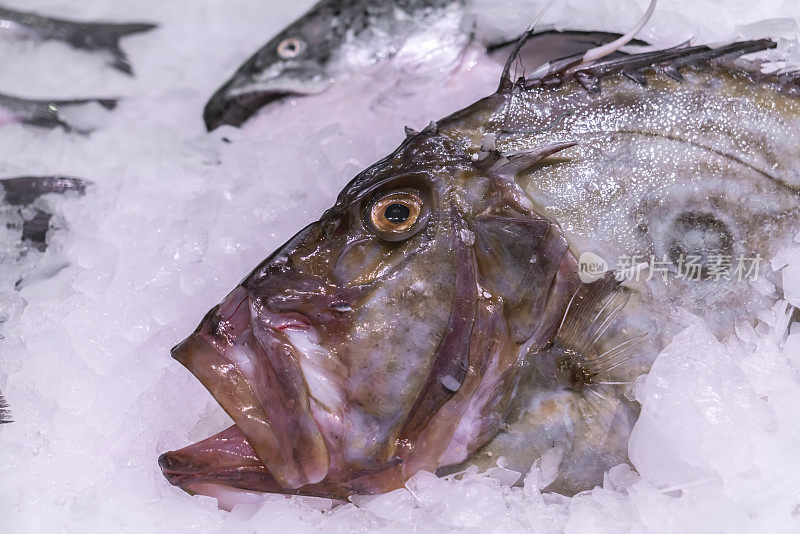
{"type": "Point", "coordinates": [591, 267]}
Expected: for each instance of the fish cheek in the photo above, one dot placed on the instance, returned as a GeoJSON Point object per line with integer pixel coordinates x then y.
{"type": "Point", "coordinates": [518, 258]}
{"type": "Point", "coordinates": [394, 337]}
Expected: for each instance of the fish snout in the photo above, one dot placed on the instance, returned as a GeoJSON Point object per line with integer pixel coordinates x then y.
{"type": "Point", "coordinates": [249, 90]}
{"type": "Point", "coordinates": [254, 374]}
{"type": "Point", "coordinates": [234, 110]}
{"type": "Point", "coordinates": [175, 467]}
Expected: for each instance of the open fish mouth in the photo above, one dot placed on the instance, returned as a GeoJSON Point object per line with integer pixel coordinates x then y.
{"type": "Point", "coordinates": [243, 95]}
{"type": "Point", "coordinates": [234, 111]}
{"type": "Point", "coordinates": [241, 355]}
{"type": "Point", "coordinates": [226, 467]}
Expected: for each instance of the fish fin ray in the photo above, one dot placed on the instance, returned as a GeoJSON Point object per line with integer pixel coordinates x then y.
{"type": "Point", "coordinates": [668, 61]}
{"type": "Point", "coordinates": [511, 164]}
{"type": "Point", "coordinates": [593, 308]}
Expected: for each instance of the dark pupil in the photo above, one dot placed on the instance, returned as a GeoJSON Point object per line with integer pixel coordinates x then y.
{"type": "Point", "coordinates": [291, 47]}
{"type": "Point", "coordinates": [396, 213]}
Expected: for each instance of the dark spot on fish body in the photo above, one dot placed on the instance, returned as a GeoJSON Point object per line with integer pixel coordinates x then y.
{"type": "Point", "coordinates": [700, 235]}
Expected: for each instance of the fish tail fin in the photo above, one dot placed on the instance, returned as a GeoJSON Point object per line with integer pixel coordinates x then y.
{"type": "Point", "coordinates": [108, 103]}
{"type": "Point", "coordinates": [122, 30]}
{"type": "Point", "coordinates": [5, 412]}
{"type": "Point", "coordinates": [108, 36]}
{"type": "Point", "coordinates": [45, 113]}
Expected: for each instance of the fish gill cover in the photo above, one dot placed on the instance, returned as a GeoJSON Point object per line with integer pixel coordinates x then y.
{"type": "Point", "coordinates": [95, 399]}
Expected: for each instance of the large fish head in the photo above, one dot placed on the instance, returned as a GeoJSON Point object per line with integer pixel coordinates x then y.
{"type": "Point", "coordinates": [292, 63]}
{"type": "Point", "coordinates": [384, 338]}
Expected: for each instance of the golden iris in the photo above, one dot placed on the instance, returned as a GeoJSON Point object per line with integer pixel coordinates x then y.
{"type": "Point", "coordinates": [397, 212]}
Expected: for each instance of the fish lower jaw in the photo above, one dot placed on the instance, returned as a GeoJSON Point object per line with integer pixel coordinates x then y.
{"type": "Point", "coordinates": [224, 466]}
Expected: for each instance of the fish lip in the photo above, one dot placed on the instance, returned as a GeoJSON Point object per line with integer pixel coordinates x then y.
{"type": "Point", "coordinates": [180, 473]}
{"type": "Point", "coordinates": [234, 358]}
{"type": "Point", "coordinates": [180, 469]}
{"type": "Point", "coordinates": [234, 111]}
{"type": "Point", "coordinates": [192, 468]}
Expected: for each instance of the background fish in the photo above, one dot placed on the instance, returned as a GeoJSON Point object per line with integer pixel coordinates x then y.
{"type": "Point", "coordinates": [91, 36]}
{"type": "Point", "coordinates": [23, 191]}
{"type": "Point", "coordinates": [51, 113]}
{"type": "Point", "coordinates": [5, 413]}
{"type": "Point", "coordinates": [436, 315]}
{"type": "Point", "coordinates": [335, 38]}
{"type": "Point", "coordinates": [32, 223]}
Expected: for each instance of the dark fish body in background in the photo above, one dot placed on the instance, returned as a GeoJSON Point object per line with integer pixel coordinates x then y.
{"type": "Point", "coordinates": [438, 315]}
{"type": "Point", "coordinates": [90, 36]}
{"type": "Point", "coordinates": [49, 113]}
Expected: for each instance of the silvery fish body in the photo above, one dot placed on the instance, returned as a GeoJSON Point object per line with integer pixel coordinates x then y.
{"type": "Point", "coordinates": [443, 312]}
{"type": "Point", "coordinates": [91, 36]}
{"type": "Point", "coordinates": [336, 38]}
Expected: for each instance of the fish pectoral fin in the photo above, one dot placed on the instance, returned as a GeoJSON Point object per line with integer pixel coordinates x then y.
{"type": "Point", "coordinates": [579, 342]}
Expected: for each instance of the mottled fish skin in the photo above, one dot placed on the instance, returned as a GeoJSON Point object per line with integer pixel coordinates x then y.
{"type": "Point", "coordinates": [48, 113]}
{"type": "Point", "coordinates": [435, 316]}
{"type": "Point", "coordinates": [91, 36]}
{"type": "Point", "coordinates": [335, 36]}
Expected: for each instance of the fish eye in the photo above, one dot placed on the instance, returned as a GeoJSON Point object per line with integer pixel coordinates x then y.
{"type": "Point", "coordinates": [395, 216]}
{"type": "Point", "coordinates": [291, 47]}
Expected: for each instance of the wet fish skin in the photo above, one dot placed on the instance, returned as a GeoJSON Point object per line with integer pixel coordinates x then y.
{"type": "Point", "coordinates": [360, 353]}
{"type": "Point", "coordinates": [46, 113]}
{"type": "Point", "coordinates": [717, 147]}
{"type": "Point", "coordinates": [90, 36]}
{"type": "Point", "coordinates": [369, 370]}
